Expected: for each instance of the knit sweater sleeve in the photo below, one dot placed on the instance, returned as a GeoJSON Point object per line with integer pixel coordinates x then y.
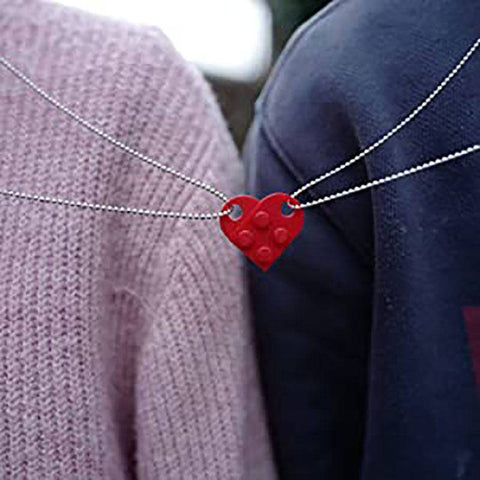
{"type": "Point", "coordinates": [125, 344]}
{"type": "Point", "coordinates": [197, 410]}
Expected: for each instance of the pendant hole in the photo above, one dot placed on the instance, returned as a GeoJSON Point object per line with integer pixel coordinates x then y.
{"type": "Point", "coordinates": [237, 212]}
{"type": "Point", "coordinates": [287, 210]}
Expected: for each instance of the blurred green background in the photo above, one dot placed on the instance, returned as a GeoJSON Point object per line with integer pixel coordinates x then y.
{"type": "Point", "coordinates": [288, 15]}
{"type": "Point", "coordinates": [237, 99]}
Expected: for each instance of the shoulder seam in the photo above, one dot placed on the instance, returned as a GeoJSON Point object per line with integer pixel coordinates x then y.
{"type": "Point", "coordinates": [295, 40]}
{"type": "Point", "coordinates": [287, 163]}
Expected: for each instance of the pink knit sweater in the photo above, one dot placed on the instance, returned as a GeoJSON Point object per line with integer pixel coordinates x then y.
{"type": "Point", "coordinates": [125, 350]}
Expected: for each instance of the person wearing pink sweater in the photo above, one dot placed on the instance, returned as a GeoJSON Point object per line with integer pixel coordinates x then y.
{"type": "Point", "coordinates": [125, 346]}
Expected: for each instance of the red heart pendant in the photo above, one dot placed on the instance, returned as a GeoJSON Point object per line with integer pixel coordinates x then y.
{"type": "Point", "coordinates": [263, 231]}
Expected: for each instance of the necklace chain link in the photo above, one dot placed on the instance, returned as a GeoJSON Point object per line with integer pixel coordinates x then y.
{"type": "Point", "coordinates": [392, 177]}
{"type": "Point", "coordinates": [368, 150]}
{"type": "Point", "coordinates": [122, 146]}
{"type": "Point", "coordinates": [200, 184]}
{"type": "Point", "coordinates": [113, 208]}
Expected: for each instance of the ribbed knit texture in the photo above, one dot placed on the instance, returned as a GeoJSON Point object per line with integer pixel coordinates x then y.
{"type": "Point", "coordinates": [125, 350]}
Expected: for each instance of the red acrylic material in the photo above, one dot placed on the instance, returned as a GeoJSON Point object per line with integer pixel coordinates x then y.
{"type": "Point", "coordinates": [263, 231]}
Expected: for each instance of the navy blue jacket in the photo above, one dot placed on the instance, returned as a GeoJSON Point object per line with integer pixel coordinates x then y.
{"type": "Point", "coordinates": [366, 353]}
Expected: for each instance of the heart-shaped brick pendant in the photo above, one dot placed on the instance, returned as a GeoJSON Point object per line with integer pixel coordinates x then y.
{"type": "Point", "coordinates": [263, 231]}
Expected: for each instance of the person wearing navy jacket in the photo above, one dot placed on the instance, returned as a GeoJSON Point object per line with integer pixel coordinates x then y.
{"type": "Point", "coordinates": [367, 327]}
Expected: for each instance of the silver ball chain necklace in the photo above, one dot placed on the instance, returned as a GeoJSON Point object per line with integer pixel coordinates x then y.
{"type": "Point", "coordinates": [263, 230]}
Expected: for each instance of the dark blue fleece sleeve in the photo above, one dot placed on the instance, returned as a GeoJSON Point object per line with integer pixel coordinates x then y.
{"type": "Point", "coordinates": [312, 319]}
{"type": "Point", "coordinates": [370, 366]}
